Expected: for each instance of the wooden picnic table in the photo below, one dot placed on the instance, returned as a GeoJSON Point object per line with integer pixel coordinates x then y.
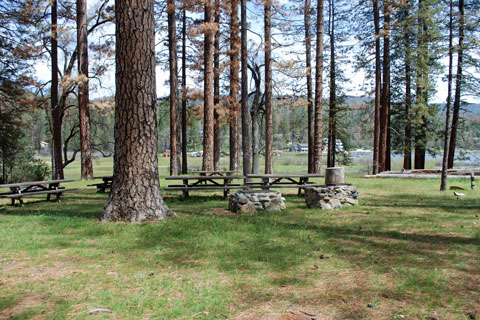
{"type": "Point", "coordinates": [214, 173]}
{"type": "Point", "coordinates": [213, 182]}
{"type": "Point", "coordinates": [22, 189]}
{"type": "Point", "coordinates": [105, 184]}
{"type": "Point", "coordinates": [283, 180]}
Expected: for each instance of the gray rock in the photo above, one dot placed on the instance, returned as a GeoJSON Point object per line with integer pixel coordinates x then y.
{"type": "Point", "coordinates": [325, 206]}
{"type": "Point", "coordinates": [248, 208]}
{"type": "Point", "coordinates": [335, 203]}
{"type": "Point", "coordinates": [273, 208]}
{"type": "Point", "coordinates": [242, 200]}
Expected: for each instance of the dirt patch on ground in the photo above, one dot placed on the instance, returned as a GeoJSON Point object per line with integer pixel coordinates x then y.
{"type": "Point", "coordinates": [280, 311]}
{"type": "Point", "coordinates": [26, 305]}
{"type": "Point", "coordinates": [221, 212]}
{"type": "Point", "coordinates": [20, 271]}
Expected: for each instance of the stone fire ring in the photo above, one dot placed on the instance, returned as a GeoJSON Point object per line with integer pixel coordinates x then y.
{"type": "Point", "coordinates": [331, 197]}
{"type": "Point", "coordinates": [250, 201]}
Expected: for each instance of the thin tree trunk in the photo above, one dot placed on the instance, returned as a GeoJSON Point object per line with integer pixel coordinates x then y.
{"type": "Point", "coordinates": [443, 183]}
{"type": "Point", "coordinates": [385, 95]}
{"type": "Point", "coordinates": [255, 114]}
{"type": "Point", "coordinates": [172, 53]}
{"type": "Point", "coordinates": [208, 108]}
{"type": "Point", "coordinates": [83, 97]}
{"type": "Point", "coordinates": [458, 86]}
{"type": "Point", "coordinates": [332, 112]}
{"type": "Point", "coordinates": [407, 152]}
{"type": "Point", "coordinates": [235, 108]}
{"type": "Point", "coordinates": [216, 91]}
{"type": "Point", "coordinates": [268, 90]}
{"type": "Point", "coordinates": [317, 126]}
{"type": "Point", "coordinates": [57, 115]}
{"type": "Point", "coordinates": [244, 92]}
{"type": "Point", "coordinates": [255, 142]}
{"type": "Point", "coordinates": [184, 92]}
{"type": "Point", "coordinates": [378, 80]}
{"type": "Point", "coordinates": [308, 56]}
{"type": "Point", "coordinates": [135, 194]}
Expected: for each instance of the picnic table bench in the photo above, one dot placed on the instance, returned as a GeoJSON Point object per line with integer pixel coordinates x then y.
{"type": "Point", "coordinates": [210, 182]}
{"type": "Point", "coordinates": [24, 189]}
{"type": "Point", "coordinates": [104, 185]}
{"type": "Point", "coordinates": [284, 180]}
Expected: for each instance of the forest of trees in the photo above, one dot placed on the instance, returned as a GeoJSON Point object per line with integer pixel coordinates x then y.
{"type": "Point", "coordinates": [246, 77]}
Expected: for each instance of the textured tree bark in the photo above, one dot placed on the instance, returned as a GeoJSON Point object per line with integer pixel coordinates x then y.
{"type": "Point", "coordinates": [208, 109]}
{"type": "Point", "coordinates": [378, 80]}
{"type": "Point", "coordinates": [172, 54]}
{"type": "Point", "coordinates": [57, 115]}
{"type": "Point", "coordinates": [308, 56]}
{"type": "Point", "coordinates": [332, 110]}
{"type": "Point", "coordinates": [216, 91]}
{"type": "Point", "coordinates": [317, 126]}
{"type": "Point", "coordinates": [245, 123]}
{"type": "Point", "coordinates": [407, 152]}
{"type": "Point", "coordinates": [385, 95]}
{"type": "Point", "coordinates": [458, 86]}
{"type": "Point", "coordinates": [135, 194]}
{"type": "Point", "coordinates": [235, 107]}
{"type": "Point", "coordinates": [184, 92]}
{"type": "Point", "coordinates": [268, 89]}
{"type": "Point", "coordinates": [83, 96]}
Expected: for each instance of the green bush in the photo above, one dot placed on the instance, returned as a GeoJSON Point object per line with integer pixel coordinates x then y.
{"type": "Point", "coordinates": [31, 170]}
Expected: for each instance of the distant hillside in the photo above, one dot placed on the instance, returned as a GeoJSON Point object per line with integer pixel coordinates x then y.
{"type": "Point", "coordinates": [473, 108]}
{"type": "Point", "coordinates": [357, 99]}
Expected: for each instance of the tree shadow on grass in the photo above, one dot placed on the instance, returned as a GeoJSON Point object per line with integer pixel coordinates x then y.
{"type": "Point", "coordinates": [81, 204]}
{"type": "Point", "coordinates": [268, 242]}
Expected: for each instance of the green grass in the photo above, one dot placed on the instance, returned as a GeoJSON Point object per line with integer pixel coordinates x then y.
{"type": "Point", "coordinates": [408, 250]}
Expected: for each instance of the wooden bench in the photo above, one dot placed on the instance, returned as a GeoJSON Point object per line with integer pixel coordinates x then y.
{"type": "Point", "coordinates": [104, 185]}
{"type": "Point", "coordinates": [25, 189]}
{"type": "Point", "coordinates": [192, 183]}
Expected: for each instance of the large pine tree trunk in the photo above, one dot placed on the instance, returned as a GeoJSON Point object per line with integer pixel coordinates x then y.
{"type": "Point", "coordinates": [83, 97]}
{"type": "Point", "coordinates": [216, 91]}
{"type": "Point", "coordinates": [268, 89]}
{"type": "Point", "coordinates": [385, 96]}
{"type": "Point", "coordinates": [208, 108]}
{"type": "Point", "coordinates": [184, 92]}
{"type": "Point", "coordinates": [135, 194]}
{"type": "Point", "coordinates": [378, 80]}
{"type": "Point", "coordinates": [244, 93]}
{"type": "Point", "coordinates": [57, 114]}
{"type": "Point", "coordinates": [443, 182]}
{"type": "Point", "coordinates": [308, 56]}
{"type": "Point", "coordinates": [172, 54]}
{"type": "Point", "coordinates": [317, 125]}
{"type": "Point", "coordinates": [458, 86]}
{"type": "Point", "coordinates": [235, 108]}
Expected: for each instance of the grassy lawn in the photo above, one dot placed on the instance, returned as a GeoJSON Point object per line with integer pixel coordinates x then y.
{"type": "Point", "coordinates": [407, 251]}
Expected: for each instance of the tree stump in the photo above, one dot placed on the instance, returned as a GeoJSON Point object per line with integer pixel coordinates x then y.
{"type": "Point", "coordinates": [334, 175]}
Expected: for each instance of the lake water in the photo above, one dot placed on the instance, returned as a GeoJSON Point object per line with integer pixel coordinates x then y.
{"type": "Point", "coordinates": [467, 159]}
